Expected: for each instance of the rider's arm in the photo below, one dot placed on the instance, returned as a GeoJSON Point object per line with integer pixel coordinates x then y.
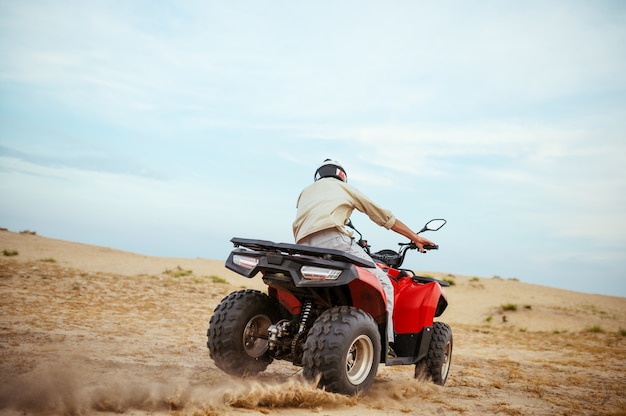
{"type": "Point", "coordinates": [419, 241]}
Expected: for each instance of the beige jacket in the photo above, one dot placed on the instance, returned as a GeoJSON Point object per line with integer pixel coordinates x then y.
{"type": "Point", "coordinates": [328, 203]}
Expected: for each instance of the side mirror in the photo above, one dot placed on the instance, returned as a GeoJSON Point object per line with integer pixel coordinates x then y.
{"type": "Point", "coordinates": [433, 225]}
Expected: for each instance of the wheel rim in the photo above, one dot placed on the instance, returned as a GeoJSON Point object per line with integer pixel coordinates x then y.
{"type": "Point", "coordinates": [445, 367]}
{"type": "Point", "coordinates": [255, 335]}
{"type": "Point", "coordinates": [359, 360]}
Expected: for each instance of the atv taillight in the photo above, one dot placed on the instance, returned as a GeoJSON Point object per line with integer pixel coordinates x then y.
{"type": "Point", "coordinates": [319, 273]}
{"type": "Point", "coordinates": [245, 261]}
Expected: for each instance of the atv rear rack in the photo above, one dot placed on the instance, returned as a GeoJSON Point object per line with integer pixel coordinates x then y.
{"type": "Point", "coordinates": [299, 249]}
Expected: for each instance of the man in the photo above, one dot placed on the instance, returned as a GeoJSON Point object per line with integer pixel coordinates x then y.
{"type": "Point", "coordinates": [324, 208]}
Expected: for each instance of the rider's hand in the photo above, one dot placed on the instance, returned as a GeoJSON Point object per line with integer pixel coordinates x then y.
{"type": "Point", "coordinates": [420, 242]}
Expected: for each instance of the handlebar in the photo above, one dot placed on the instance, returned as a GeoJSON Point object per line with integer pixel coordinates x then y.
{"type": "Point", "coordinates": [412, 246]}
{"type": "Point", "coordinates": [395, 259]}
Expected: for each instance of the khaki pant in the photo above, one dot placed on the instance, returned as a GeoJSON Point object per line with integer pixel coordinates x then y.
{"type": "Point", "coordinates": [337, 240]}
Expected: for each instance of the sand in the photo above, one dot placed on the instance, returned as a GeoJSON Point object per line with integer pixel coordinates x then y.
{"type": "Point", "coordinates": [94, 330]}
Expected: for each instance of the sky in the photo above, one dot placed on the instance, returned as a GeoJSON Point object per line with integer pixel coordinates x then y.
{"type": "Point", "coordinates": [166, 128]}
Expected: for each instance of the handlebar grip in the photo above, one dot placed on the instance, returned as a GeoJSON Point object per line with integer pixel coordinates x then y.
{"type": "Point", "coordinates": [431, 247]}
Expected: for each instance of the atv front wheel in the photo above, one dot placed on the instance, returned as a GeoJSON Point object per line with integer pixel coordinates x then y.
{"type": "Point", "coordinates": [237, 334]}
{"type": "Point", "coordinates": [343, 350]}
{"type": "Point", "coordinates": [436, 364]}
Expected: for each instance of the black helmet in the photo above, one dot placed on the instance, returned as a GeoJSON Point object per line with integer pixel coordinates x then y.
{"type": "Point", "coordinates": [331, 169]}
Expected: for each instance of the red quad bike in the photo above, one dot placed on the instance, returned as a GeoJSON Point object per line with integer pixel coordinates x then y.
{"type": "Point", "coordinates": [326, 312]}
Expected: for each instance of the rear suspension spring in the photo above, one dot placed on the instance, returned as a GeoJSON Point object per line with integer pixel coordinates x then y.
{"type": "Point", "coordinates": [304, 318]}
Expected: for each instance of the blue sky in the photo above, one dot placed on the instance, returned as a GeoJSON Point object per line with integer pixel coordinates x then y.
{"type": "Point", "coordinates": [166, 128]}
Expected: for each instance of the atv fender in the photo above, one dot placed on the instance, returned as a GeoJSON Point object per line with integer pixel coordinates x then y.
{"type": "Point", "coordinates": [416, 305]}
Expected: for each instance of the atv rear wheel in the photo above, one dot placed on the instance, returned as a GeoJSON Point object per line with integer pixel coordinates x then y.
{"type": "Point", "coordinates": [343, 350]}
{"type": "Point", "coordinates": [237, 334]}
{"type": "Point", "coordinates": [436, 365]}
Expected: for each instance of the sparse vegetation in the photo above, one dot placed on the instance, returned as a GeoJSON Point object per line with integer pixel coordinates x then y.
{"type": "Point", "coordinates": [509, 307]}
{"type": "Point", "coordinates": [474, 279]}
{"type": "Point", "coordinates": [49, 260]}
{"type": "Point", "coordinates": [489, 318]}
{"type": "Point", "coordinates": [10, 253]}
{"type": "Point", "coordinates": [622, 332]}
{"type": "Point", "coordinates": [217, 279]}
{"type": "Point", "coordinates": [596, 329]}
{"type": "Point", "coordinates": [449, 279]}
{"type": "Point", "coordinates": [28, 232]}
{"type": "Point", "coordinates": [178, 272]}
{"type": "Point", "coordinates": [594, 310]}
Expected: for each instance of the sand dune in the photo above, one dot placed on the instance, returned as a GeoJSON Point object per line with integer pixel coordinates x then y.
{"type": "Point", "coordinates": [88, 329]}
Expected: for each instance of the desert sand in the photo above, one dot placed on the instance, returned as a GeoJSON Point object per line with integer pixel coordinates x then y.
{"type": "Point", "coordinates": [94, 330]}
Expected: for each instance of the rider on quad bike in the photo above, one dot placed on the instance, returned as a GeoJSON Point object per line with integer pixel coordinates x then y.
{"type": "Point", "coordinates": [325, 308]}
{"type": "Point", "coordinates": [323, 212]}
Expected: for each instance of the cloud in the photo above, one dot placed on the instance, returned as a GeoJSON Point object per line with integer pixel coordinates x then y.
{"type": "Point", "coordinates": [249, 63]}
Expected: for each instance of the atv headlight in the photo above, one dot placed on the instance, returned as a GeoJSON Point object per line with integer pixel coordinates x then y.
{"type": "Point", "coordinates": [319, 273]}
{"type": "Point", "coordinates": [246, 262]}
